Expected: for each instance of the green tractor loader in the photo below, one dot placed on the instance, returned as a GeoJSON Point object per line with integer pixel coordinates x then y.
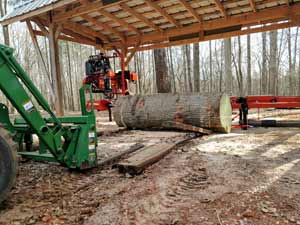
{"type": "Point", "coordinates": [70, 141]}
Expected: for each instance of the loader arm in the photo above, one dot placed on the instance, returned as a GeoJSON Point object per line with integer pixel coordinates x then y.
{"type": "Point", "coordinates": [73, 146]}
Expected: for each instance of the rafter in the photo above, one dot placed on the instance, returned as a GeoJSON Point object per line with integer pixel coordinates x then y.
{"type": "Point", "coordinates": [218, 36]}
{"type": "Point", "coordinates": [132, 53]}
{"type": "Point", "coordinates": [253, 6]}
{"type": "Point", "coordinates": [104, 26]}
{"type": "Point", "coordinates": [158, 9]}
{"type": "Point", "coordinates": [119, 21]}
{"type": "Point", "coordinates": [85, 31]}
{"type": "Point", "coordinates": [67, 38]}
{"type": "Point", "coordinates": [220, 7]}
{"type": "Point", "coordinates": [142, 18]}
{"type": "Point", "coordinates": [253, 18]}
{"type": "Point", "coordinates": [88, 8]}
{"type": "Point", "coordinates": [41, 25]}
{"type": "Point", "coordinates": [191, 10]}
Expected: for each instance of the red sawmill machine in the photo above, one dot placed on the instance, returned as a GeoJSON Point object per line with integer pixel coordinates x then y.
{"type": "Point", "coordinates": [103, 79]}
{"type": "Point", "coordinates": [243, 104]}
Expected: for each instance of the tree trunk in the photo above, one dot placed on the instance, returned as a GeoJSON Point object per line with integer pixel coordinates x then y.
{"type": "Point", "coordinates": [185, 79]}
{"type": "Point", "coordinates": [161, 70]}
{"type": "Point", "coordinates": [264, 74]}
{"type": "Point", "coordinates": [299, 77]}
{"type": "Point", "coordinates": [290, 73]}
{"type": "Point", "coordinates": [172, 69]}
{"type": "Point", "coordinates": [161, 110]}
{"type": "Point", "coordinates": [210, 68]}
{"type": "Point", "coordinates": [249, 77]}
{"type": "Point", "coordinates": [228, 66]}
{"type": "Point", "coordinates": [188, 63]}
{"type": "Point", "coordinates": [196, 67]}
{"type": "Point", "coordinates": [70, 76]}
{"type": "Point", "coordinates": [273, 63]}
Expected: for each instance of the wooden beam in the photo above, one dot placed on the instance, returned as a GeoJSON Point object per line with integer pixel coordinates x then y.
{"type": "Point", "coordinates": [186, 15]}
{"type": "Point", "coordinates": [142, 18]}
{"type": "Point", "coordinates": [219, 36]}
{"type": "Point", "coordinates": [55, 69]}
{"type": "Point", "coordinates": [119, 21]}
{"type": "Point", "coordinates": [253, 6]}
{"type": "Point", "coordinates": [104, 26]}
{"type": "Point", "coordinates": [191, 10]}
{"type": "Point", "coordinates": [158, 9]}
{"type": "Point", "coordinates": [85, 31]}
{"type": "Point", "coordinates": [40, 24]}
{"type": "Point", "coordinates": [88, 8]}
{"type": "Point", "coordinates": [74, 37]}
{"type": "Point", "coordinates": [58, 31]}
{"type": "Point", "coordinates": [67, 38]}
{"type": "Point", "coordinates": [280, 14]}
{"type": "Point", "coordinates": [220, 7]}
{"type": "Point", "coordinates": [132, 53]}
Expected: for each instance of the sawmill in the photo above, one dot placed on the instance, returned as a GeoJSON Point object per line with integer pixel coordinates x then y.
{"type": "Point", "coordinates": [107, 116]}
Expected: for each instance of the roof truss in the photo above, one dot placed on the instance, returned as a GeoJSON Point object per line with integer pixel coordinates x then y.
{"type": "Point", "coordinates": [118, 24]}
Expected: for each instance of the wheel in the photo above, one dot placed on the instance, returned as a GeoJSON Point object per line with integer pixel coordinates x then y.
{"type": "Point", "coordinates": [8, 163]}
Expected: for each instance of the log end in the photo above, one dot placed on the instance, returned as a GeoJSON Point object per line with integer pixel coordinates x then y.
{"type": "Point", "coordinates": [225, 114]}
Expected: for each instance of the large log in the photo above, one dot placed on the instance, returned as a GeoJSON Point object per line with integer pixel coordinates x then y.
{"type": "Point", "coordinates": [157, 111]}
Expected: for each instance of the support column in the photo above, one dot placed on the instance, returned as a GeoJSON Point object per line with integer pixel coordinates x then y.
{"type": "Point", "coordinates": [123, 53]}
{"type": "Point", "coordinates": [55, 68]}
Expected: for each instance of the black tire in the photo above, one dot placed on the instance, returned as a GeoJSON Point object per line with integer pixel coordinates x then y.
{"type": "Point", "coordinates": [8, 163]}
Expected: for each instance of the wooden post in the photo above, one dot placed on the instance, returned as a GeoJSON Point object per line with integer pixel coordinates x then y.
{"type": "Point", "coordinates": [122, 55]}
{"type": "Point", "coordinates": [55, 68]}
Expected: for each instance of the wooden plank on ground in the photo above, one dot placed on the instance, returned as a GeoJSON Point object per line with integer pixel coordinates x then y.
{"type": "Point", "coordinates": [144, 158]}
{"type": "Point", "coordinates": [111, 160]}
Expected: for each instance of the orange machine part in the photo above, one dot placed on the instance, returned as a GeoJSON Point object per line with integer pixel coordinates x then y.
{"type": "Point", "coordinates": [133, 76]}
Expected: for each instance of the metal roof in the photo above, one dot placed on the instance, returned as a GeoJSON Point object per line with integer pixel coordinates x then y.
{"type": "Point", "coordinates": [27, 7]}
{"type": "Point", "coordinates": [148, 24]}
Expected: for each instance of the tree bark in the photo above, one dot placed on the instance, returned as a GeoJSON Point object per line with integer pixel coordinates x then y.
{"type": "Point", "coordinates": [188, 64]}
{"type": "Point", "coordinates": [290, 71]}
{"type": "Point", "coordinates": [210, 68]}
{"type": "Point", "coordinates": [196, 67]}
{"type": "Point", "coordinates": [273, 63]}
{"type": "Point", "coordinates": [161, 70]}
{"type": "Point", "coordinates": [161, 110]}
{"type": "Point", "coordinates": [172, 69]}
{"type": "Point", "coordinates": [70, 76]}
{"type": "Point", "coordinates": [228, 66]}
{"type": "Point", "coordinates": [249, 76]}
{"type": "Point", "coordinates": [264, 75]}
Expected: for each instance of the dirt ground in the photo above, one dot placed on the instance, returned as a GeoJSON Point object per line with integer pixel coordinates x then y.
{"type": "Point", "coordinates": [243, 178]}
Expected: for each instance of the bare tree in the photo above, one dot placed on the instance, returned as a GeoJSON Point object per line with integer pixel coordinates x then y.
{"type": "Point", "coordinates": [228, 66]}
{"type": "Point", "coordinates": [161, 70]}
{"type": "Point", "coordinates": [210, 68]}
{"type": "Point", "coordinates": [249, 76]}
{"type": "Point", "coordinates": [196, 67]}
{"type": "Point", "coordinates": [172, 69]}
{"type": "Point", "coordinates": [189, 70]}
{"type": "Point", "coordinates": [264, 74]}
{"type": "Point", "coordinates": [273, 68]}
